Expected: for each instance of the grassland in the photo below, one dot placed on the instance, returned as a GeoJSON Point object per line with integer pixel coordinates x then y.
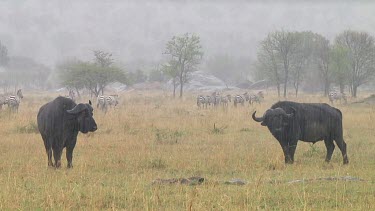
{"type": "Point", "coordinates": [149, 136]}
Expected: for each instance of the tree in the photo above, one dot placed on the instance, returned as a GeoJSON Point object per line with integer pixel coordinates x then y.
{"type": "Point", "coordinates": [94, 76]}
{"type": "Point", "coordinates": [25, 71]}
{"type": "Point", "coordinates": [170, 69]}
{"type": "Point", "coordinates": [301, 58]}
{"type": "Point", "coordinates": [284, 44]}
{"type": "Point", "coordinates": [3, 55]}
{"type": "Point", "coordinates": [156, 75]}
{"type": "Point", "coordinates": [186, 53]}
{"type": "Point", "coordinates": [268, 63]}
{"type": "Point", "coordinates": [361, 55]}
{"type": "Point", "coordinates": [322, 58]}
{"type": "Point", "coordinates": [340, 66]}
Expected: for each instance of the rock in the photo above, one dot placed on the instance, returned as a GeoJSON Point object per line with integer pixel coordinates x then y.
{"type": "Point", "coordinates": [235, 182]}
{"type": "Point", "coordinates": [182, 181]}
{"type": "Point", "coordinates": [203, 82]}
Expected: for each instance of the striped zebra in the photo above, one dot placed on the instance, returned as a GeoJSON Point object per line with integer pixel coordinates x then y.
{"type": "Point", "coordinates": [336, 95]}
{"type": "Point", "coordinates": [71, 95]}
{"type": "Point", "coordinates": [13, 101]}
{"type": "Point", "coordinates": [105, 101]}
{"type": "Point", "coordinates": [238, 99]}
{"type": "Point", "coordinates": [256, 98]}
{"type": "Point", "coordinates": [208, 100]}
{"type": "Point", "coordinates": [216, 98]}
{"type": "Point", "coordinates": [225, 100]}
{"type": "Point", "coordinates": [201, 101]}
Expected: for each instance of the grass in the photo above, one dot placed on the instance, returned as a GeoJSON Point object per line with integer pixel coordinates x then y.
{"type": "Point", "coordinates": [149, 136]}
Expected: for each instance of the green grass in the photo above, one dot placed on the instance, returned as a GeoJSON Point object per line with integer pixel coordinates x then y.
{"type": "Point", "coordinates": [149, 137]}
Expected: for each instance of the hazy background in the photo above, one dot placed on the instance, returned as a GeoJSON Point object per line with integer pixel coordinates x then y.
{"type": "Point", "coordinates": [136, 31]}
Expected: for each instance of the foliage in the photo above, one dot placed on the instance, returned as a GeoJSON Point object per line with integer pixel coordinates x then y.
{"type": "Point", "coordinates": [361, 56]}
{"type": "Point", "coordinates": [340, 66]}
{"type": "Point", "coordinates": [3, 55]}
{"type": "Point", "coordinates": [94, 76]}
{"type": "Point", "coordinates": [186, 53]}
{"type": "Point", "coordinates": [156, 75]}
{"type": "Point", "coordinates": [24, 71]}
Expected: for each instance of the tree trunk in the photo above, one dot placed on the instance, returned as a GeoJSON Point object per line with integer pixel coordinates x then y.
{"type": "Point", "coordinates": [326, 87]}
{"type": "Point", "coordinates": [278, 89]}
{"type": "Point", "coordinates": [174, 89]}
{"type": "Point", "coordinates": [354, 91]}
{"type": "Point", "coordinates": [342, 86]}
{"type": "Point", "coordinates": [78, 94]}
{"type": "Point", "coordinates": [285, 84]}
{"type": "Point", "coordinates": [181, 88]}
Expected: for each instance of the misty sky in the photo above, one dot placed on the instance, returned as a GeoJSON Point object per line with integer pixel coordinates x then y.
{"type": "Point", "coordinates": [50, 31]}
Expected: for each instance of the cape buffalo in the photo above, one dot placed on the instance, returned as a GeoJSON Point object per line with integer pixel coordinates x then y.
{"type": "Point", "coordinates": [310, 122]}
{"type": "Point", "coordinates": [59, 122]}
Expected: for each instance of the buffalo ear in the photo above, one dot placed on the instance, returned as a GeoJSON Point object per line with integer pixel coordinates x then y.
{"type": "Point", "coordinates": [90, 102]}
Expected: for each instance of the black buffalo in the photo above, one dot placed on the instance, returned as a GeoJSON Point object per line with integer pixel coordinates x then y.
{"type": "Point", "coordinates": [310, 122]}
{"type": "Point", "coordinates": [59, 122]}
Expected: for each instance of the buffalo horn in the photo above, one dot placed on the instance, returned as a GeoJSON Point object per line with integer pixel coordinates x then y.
{"type": "Point", "coordinates": [257, 119]}
{"type": "Point", "coordinates": [77, 109]}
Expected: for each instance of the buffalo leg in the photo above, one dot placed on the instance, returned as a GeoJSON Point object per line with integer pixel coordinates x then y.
{"type": "Point", "coordinates": [57, 157]}
{"type": "Point", "coordinates": [292, 149]}
{"type": "Point", "coordinates": [330, 148]}
{"type": "Point", "coordinates": [285, 147]}
{"type": "Point", "coordinates": [342, 146]}
{"type": "Point", "coordinates": [69, 152]}
{"type": "Point", "coordinates": [48, 146]}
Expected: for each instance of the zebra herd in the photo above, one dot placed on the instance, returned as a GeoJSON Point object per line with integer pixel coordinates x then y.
{"type": "Point", "coordinates": [13, 101]}
{"type": "Point", "coordinates": [216, 99]}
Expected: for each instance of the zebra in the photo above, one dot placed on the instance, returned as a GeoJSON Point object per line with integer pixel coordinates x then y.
{"type": "Point", "coordinates": [112, 100]}
{"type": "Point", "coordinates": [71, 95]}
{"type": "Point", "coordinates": [335, 95]}
{"type": "Point", "coordinates": [14, 101]}
{"type": "Point", "coordinates": [238, 99]}
{"type": "Point", "coordinates": [256, 97]}
{"type": "Point", "coordinates": [216, 98]}
{"type": "Point", "coordinates": [208, 100]}
{"type": "Point", "coordinates": [201, 101]}
{"type": "Point", "coordinates": [105, 101]}
{"type": "Point", "coordinates": [225, 99]}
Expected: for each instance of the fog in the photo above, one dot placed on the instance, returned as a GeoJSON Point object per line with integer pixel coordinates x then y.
{"type": "Point", "coordinates": [137, 31]}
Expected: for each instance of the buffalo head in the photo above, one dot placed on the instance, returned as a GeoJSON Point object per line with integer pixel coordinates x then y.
{"type": "Point", "coordinates": [84, 114]}
{"type": "Point", "coordinates": [275, 119]}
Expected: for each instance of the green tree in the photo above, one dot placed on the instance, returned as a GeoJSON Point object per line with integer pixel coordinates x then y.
{"type": "Point", "coordinates": [361, 55]}
{"type": "Point", "coordinates": [301, 58]}
{"type": "Point", "coordinates": [267, 65]}
{"type": "Point", "coordinates": [94, 76]}
{"type": "Point", "coordinates": [340, 65]}
{"type": "Point", "coordinates": [186, 53]}
{"type": "Point", "coordinates": [170, 70]}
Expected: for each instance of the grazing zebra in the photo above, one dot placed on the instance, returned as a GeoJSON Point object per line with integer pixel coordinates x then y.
{"type": "Point", "coordinates": [335, 95]}
{"type": "Point", "coordinates": [238, 99]}
{"type": "Point", "coordinates": [256, 97]}
{"type": "Point", "coordinates": [14, 101]}
{"type": "Point", "coordinates": [201, 101]}
{"type": "Point", "coordinates": [104, 101]}
{"type": "Point", "coordinates": [72, 95]}
{"type": "Point", "coordinates": [225, 99]}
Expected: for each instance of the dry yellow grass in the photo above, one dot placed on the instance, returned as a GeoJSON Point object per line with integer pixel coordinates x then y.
{"type": "Point", "coordinates": [149, 137]}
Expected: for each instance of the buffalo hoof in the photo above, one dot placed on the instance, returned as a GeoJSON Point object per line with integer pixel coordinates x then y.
{"type": "Point", "coordinates": [58, 164]}
{"type": "Point", "coordinates": [70, 165]}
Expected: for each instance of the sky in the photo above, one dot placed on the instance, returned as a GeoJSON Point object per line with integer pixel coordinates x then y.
{"type": "Point", "coordinates": [51, 31]}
